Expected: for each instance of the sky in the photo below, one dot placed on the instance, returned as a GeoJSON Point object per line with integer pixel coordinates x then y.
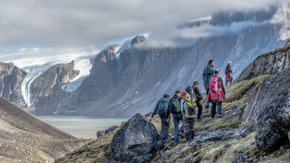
{"type": "Point", "coordinates": [74, 24]}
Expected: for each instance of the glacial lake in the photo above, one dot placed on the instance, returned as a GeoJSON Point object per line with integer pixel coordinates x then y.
{"type": "Point", "coordinates": [83, 126]}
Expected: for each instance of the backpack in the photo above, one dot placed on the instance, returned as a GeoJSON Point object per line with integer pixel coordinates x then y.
{"type": "Point", "coordinates": [213, 84]}
{"type": "Point", "coordinates": [175, 105]}
{"type": "Point", "coordinates": [190, 108]}
{"type": "Point", "coordinates": [190, 91]}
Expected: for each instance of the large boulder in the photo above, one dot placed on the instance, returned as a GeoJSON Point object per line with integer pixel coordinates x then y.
{"type": "Point", "coordinates": [272, 107]}
{"type": "Point", "coordinates": [134, 141]}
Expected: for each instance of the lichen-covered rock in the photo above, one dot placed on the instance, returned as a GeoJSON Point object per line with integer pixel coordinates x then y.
{"type": "Point", "coordinates": [272, 107]}
{"type": "Point", "coordinates": [134, 141]}
{"type": "Point", "coordinates": [111, 129]}
{"type": "Point", "coordinates": [100, 134]}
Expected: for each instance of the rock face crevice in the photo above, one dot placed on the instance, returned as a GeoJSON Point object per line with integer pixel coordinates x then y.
{"type": "Point", "coordinates": [11, 78]}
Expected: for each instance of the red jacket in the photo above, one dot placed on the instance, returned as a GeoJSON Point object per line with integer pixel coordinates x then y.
{"type": "Point", "coordinates": [215, 97]}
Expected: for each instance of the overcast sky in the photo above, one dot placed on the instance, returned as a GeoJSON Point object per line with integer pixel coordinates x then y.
{"type": "Point", "coordinates": [83, 23]}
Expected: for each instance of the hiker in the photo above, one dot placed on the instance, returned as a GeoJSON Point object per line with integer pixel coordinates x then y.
{"type": "Point", "coordinates": [216, 94]}
{"type": "Point", "coordinates": [162, 107]}
{"type": "Point", "coordinates": [174, 108]}
{"type": "Point", "coordinates": [188, 107]}
{"type": "Point", "coordinates": [198, 99]}
{"type": "Point", "coordinates": [228, 72]}
{"type": "Point", "coordinates": [229, 77]}
{"type": "Point", "coordinates": [208, 73]}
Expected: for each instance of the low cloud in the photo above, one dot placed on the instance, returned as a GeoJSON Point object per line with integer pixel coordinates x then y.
{"type": "Point", "coordinates": [74, 23]}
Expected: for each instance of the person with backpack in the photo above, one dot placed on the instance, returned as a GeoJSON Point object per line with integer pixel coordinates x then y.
{"type": "Point", "coordinates": [175, 109]}
{"type": "Point", "coordinates": [208, 73]}
{"type": "Point", "coordinates": [162, 108]}
{"type": "Point", "coordinates": [228, 72]}
{"type": "Point", "coordinates": [188, 107]}
{"type": "Point", "coordinates": [216, 94]}
{"type": "Point", "coordinates": [198, 99]}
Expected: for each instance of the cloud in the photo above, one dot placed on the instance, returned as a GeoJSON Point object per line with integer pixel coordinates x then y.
{"type": "Point", "coordinates": [75, 23]}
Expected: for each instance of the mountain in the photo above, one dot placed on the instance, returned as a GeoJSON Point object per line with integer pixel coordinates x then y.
{"type": "Point", "coordinates": [11, 78]}
{"type": "Point", "coordinates": [129, 78]}
{"type": "Point", "coordinates": [27, 138]}
{"type": "Point", "coordinates": [254, 128]}
{"type": "Point", "coordinates": [140, 76]}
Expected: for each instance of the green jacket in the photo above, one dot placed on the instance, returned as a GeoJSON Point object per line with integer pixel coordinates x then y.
{"type": "Point", "coordinates": [208, 73]}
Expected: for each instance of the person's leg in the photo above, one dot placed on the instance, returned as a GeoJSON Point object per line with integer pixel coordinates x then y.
{"type": "Point", "coordinates": [164, 124]}
{"type": "Point", "coordinates": [227, 83]}
{"type": "Point", "coordinates": [186, 129]}
{"type": "Point", "coordinates": [180, 118]}
{"type": "Point", "coordinates": [206, 101]}
{"type": "Point", "coordinates": [199, 113]}
{"type": "Point", "coordinates": [220, 108]}
{"type": "Point", "coordinates": [176, 126]}
{"type": "Point", "coordinates": [213, 110]}
{"type": "Point", "coordinates": [192, 130]}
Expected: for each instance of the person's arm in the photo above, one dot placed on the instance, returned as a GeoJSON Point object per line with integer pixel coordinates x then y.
{"type": "Point", "coordinates": [222, 84]}
{"type": "Point", "coordinates": [169, 109]}
{"type": "Point", "coordinates": [155, 110]}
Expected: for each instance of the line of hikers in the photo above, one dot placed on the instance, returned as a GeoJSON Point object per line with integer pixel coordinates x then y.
{"type": "Point", "coordinates": [187, 106]}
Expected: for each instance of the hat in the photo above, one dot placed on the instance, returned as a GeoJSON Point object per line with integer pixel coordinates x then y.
{"type": "Point", "coordinates": [230, 61]}
{"type": "Point", "coordinates": [183, 93]}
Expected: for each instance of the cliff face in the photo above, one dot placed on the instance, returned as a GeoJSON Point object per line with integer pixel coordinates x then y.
{"type": "Point", "coordinates": [11, 78]}
{"type": "Point", "coordinates": [269, 63]}
{"type": "Point", "coordinates": [46, 90]}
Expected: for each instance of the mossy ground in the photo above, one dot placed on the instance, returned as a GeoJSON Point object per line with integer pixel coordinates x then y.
{"type": "Point", "coordinates": [221, 151]}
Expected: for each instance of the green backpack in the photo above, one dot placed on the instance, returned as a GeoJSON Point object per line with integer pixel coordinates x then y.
{"type": "Point", "coordinates": [190, 108]}
{"type": "Point", "coordinates": [175, 107]}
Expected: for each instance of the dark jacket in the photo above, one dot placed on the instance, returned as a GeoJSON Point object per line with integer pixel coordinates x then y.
{"type": "Point", "coordinates": [171, 105]}
{"type": "Point", "coordinates": [197, 93]}
{"type": "Point", "coordinates": [162, 104]}
{"type": "Point", "coordinates": [208, 73]}
{"type": "Point", "coordinates": [228, 69]}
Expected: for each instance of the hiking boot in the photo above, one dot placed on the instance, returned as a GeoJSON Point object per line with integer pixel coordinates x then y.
{"type": "Point", "coordinates": [219, 116]}
{"type": "Point", "coordinates": [206, 107]}
{"type": "Point", "coordinates": [187, 136]}
{"type": "Point", "coordinates": [175, 144]}
{"type": "Point", "coordinates": [181, 134]}
{"type": "Point", "coordinates": [192, 136]}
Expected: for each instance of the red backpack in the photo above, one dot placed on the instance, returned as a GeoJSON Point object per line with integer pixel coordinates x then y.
{"type": "Point", "coordinates": [213, 84]}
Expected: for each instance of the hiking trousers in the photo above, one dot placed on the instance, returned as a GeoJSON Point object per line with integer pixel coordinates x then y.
{"type": "Point", "coordinates": [206, 101]}
{"type": "Point", "coordinates": [199, 106]}
{"type": "Point", "coordinates": [164, 124]}
{"type": "Point", "coordinates": [213, 109]}
{"type": "Point", "coordinates": [176, 119]}
{"type": "Point", "coordinates": [188, 124]}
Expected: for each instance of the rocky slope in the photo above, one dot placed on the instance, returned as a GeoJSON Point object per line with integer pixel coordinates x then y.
{"type": "Point", "coordinates": [26, 138]}
{"type": "Point", "coordinates": [244, 134]}
{"type": "Point", "coordinates": [11, 78]}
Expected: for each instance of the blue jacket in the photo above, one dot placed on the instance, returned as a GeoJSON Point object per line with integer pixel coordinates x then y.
{"type": "Point", "coordinates": [162, 104]}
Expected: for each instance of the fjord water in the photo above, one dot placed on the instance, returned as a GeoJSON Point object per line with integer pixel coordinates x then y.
{"type": "Point", "coordinates": [83, 126]}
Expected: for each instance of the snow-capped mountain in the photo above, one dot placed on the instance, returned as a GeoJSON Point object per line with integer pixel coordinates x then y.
{"type": "Point", "coordinates": [124, 79]}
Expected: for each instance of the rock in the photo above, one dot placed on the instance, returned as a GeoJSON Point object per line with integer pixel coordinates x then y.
{"type": "Point", "coordinates": [111, 129]}
{"type": "Point", "coordinates": [246, 131]}
{"type": "Point", "coordinates": [137, 39]}
{"type": "Point", "coordinates": [241, 158]}
{"type": "Point", "coordinates": [134, 141]}
{"type": "Point", "coordinates": [271, 111]}
{"type": "Point", "coordinates": [100, 134]}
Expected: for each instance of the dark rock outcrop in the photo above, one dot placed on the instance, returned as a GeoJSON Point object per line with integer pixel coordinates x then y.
{"type": "Point", "coordinates": [100, 134]}
{"type": "Point", "coordinates": [137, 39]}
{"type": "Point", "coordinates": [11, 78]}
{"type": "Point", "coordinates": [111, 129]}
{"type": "Point", "coordinates": [269, 109]}
{"type": "Point", "coordinates": [134, 141]}
{"type": "Point", "coordinates": [270, 63]}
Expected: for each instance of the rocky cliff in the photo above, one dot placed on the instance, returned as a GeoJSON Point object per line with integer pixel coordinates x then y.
{"type": "Point", "coordinates": [46, 90]}
{"type": "Point", "coordinates": [11, 78]}
{"type": "Point", "coordinates": [26, 138]}
{"type": "Point", "coordinates": [254, 128]}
